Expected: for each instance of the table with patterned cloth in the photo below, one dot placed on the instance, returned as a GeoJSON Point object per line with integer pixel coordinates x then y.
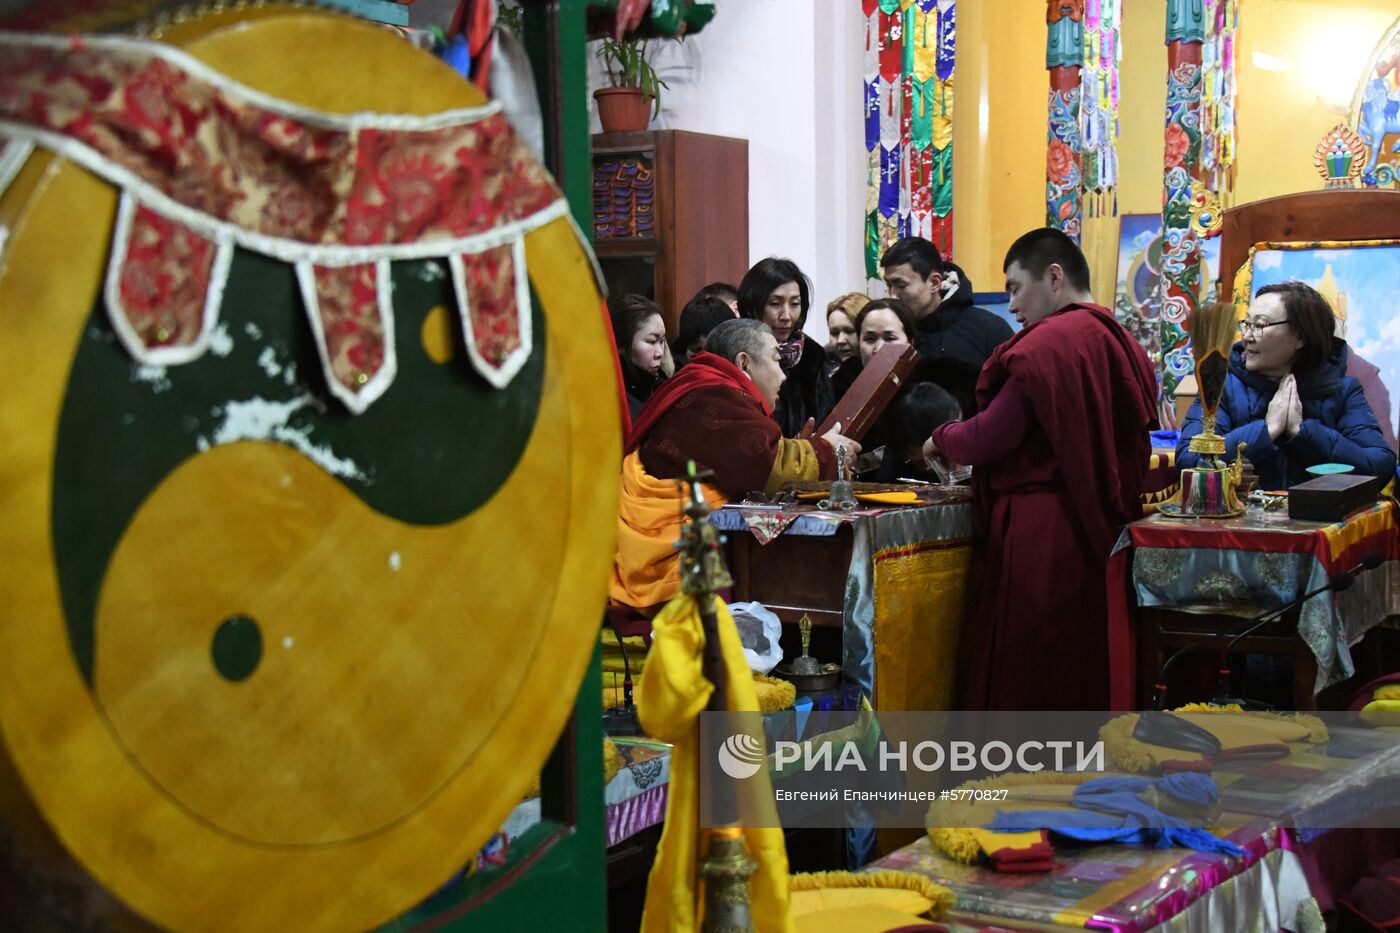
{"type": "Point", "coordinates": [1125, 889]}
{"type": "Point", "coordinates": [633, 800]}
{"type": "Point", "coordinates": [1349, 780]}
{"type": "Point", "coordinates": [894, 580]}
{"type": "Point", "coordinates": [1240, 568]}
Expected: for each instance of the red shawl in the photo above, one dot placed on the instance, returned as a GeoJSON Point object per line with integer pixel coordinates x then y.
{"type": "Point", "coordinates": [703, 370]}
{"type": "Point", "coordinates": [1095, 393]}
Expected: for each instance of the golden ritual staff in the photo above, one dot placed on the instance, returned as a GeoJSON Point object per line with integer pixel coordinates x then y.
{"type": "Point", "coordinates": [727, 866]}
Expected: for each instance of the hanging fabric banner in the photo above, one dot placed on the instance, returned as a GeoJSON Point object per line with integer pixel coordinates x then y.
{"type": "Point", "coordinates": [1218, 93]}
{"type": "Point", "coordinates": [206, 165]}
{"type": "Point", "coordinates": [1197, 166]}
{"type": "Point", "coordinates": [1098, 103]}
{"type": "Point", "coordinates": [908, 78]}
{"type": "Point", "coordinates": [1081, 164]}
{"type": "Point", "coordinates": [1064, 146]}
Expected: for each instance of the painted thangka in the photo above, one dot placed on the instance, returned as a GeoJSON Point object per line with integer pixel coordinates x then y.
{"type": "Point", "coordinates": [1082, 53]}
{"type": "Point", "coordinates": [1375, 111]}
{"type": "Point", "coordinates": [908, 124]}
{"type": "Point", "coordinates": [1138, 298]}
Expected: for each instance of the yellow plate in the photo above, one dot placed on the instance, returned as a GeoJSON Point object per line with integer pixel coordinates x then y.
{"type": "Point", "coordinates": [889, 498]}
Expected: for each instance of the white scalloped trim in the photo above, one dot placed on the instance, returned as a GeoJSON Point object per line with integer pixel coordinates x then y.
{"type": "Point", "coordinates": [13, 154]}
{"type": "Point", "coordinates": [369, 393]}
{"type": "Point", "coordinates": [302, 255]}
{"type": "Point", "coordinates": [280, 247]}
{"type": "Point", "coordinates": [498, 376]}
{"type": "Point", "coordinates": [192, 65]}
{"type": "Point", "coordinates": [116, 310]}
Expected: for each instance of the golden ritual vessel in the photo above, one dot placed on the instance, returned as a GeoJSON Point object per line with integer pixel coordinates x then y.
{"type": "Point", "coordinates": [1209, 489]}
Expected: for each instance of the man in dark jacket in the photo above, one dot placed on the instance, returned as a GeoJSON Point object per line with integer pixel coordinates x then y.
{"type": "Point", "coordinates": [940, 297]}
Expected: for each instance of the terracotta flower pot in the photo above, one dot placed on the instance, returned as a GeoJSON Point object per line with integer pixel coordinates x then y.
{"type": "Point", "coordinates": [623, 109]}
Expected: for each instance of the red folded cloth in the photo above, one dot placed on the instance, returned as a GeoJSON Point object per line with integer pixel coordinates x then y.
{"type": "Point", "coordinates": [1039, 856]}
{"type": "Point", "coordinates": [1024, 868]}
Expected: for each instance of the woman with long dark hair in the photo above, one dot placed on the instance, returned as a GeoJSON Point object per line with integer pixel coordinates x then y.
{"type": "Point", "coordinates": [776, 292]}
{"type": "Point", "coordinates": [640, 335]}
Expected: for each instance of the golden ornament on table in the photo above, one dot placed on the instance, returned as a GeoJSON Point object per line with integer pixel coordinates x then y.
{"type": "Point", "coordinates": [1210, 489]}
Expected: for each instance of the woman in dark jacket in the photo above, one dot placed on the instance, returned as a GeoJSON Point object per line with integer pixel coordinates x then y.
{"type": "Point", "coordinates": [640, 336]}
{"type": "Point", "coordinates": [1287, 396]}
{"type": "Point", "coordinates": [776, 292]}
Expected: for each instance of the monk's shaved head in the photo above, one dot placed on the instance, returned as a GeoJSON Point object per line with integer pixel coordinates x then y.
{"type": "Point", "coordinates": [740, 335]}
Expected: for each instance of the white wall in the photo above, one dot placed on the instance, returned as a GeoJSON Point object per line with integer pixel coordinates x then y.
{"type": "Point", "coordinates": [786, 76]}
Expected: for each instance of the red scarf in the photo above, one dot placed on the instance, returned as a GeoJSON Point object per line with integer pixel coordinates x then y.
{"type": "Point", "coordinates": [703, 370]}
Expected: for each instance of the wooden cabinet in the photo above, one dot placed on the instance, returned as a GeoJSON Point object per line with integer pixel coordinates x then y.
{"type": "Point", "coordinates": [670, 213]}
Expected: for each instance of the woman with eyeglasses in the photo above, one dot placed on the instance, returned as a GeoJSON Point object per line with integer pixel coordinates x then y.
{"type": "Point", "coordinates": [1288, 397]}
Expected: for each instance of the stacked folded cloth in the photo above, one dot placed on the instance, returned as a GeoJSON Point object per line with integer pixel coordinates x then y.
{"type": "Point", "coordinates": [956, 827]}
{"type": "Point", "coordinates": [1014, 835]}
{"type": "Point", "coordinates": [1378, 703]}
{"type": "Point", "coordinates": [603, 172]}
{"type": "Point", "coordinates": [623, 197]}
{"type": "Point", "coordinates": [1123, 810]}
{"type": "Point", "coordinates": [643, 199]}
{"type": "Point", "coordinates": [1019, 852]}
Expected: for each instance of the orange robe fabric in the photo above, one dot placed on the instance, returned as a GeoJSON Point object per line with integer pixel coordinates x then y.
{"type": "Point", "coordinates": [708, 412]}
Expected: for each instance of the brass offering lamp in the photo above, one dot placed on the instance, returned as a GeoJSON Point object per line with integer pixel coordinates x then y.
{"type": "Point", "coordinates": [1210, 489]}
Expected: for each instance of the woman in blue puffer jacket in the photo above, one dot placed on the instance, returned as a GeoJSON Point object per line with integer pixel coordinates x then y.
{"type": "Point", "coordinates": [1287, 396]}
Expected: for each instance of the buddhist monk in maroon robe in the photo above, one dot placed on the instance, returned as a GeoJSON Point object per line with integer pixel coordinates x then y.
{"type": "Point", "coordinates": [1059, 450]}
{"type": "Point", "coordinates": [717, 410]}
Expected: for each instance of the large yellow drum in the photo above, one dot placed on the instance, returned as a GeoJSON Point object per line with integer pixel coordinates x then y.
{"type": "Point", "coordinates": [290, 678]}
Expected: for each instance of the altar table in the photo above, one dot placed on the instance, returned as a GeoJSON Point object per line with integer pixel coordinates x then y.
{"type": "Point", "coordinates": [894, 582]}
{"type": "Point", "coordinates": [1130, 889]}
{"type": "Point", "coordinates": [1175, 581]}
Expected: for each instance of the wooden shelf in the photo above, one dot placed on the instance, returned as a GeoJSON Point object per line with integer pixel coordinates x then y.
{"type": "Point", "coordinates": [700, 216]}
{"type": "Point", "coordinates": [625, 247]}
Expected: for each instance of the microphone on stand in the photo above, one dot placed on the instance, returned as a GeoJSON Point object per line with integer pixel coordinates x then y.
{"type": "Point", "coordinates": [622, 720]}
{"type": "Point", "coordinates": [1339, 582]}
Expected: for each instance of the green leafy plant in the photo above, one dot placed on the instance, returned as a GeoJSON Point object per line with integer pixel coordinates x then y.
{"type": "Point", "coordinates": [511, 18]}
{"type": "Point", "coordinates": [628, 65]}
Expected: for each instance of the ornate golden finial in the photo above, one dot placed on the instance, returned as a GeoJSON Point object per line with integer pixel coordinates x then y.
{"type": "Point", "coordinates": [702, 563]}
{"type": "Point", "coordinates": [726, 866]}
{"type": "Point", "coordinates": [1207, 216]}
{"type": "Point", "coordinates": [1340, 156]}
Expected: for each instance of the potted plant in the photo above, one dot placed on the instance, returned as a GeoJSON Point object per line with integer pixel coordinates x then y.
{"type": "Point", "coordinates": [634, 94]}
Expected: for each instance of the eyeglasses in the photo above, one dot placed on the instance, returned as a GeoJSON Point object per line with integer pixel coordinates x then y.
{"type": "Point", "coordinates": [1254, 327]}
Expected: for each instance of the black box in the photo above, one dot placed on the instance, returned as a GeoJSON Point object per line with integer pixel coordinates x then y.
{"type": "Point", "coordinates": [1332, 498]}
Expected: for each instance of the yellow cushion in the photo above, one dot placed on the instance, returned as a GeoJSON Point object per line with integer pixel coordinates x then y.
{"type": "Point", "coordinates": [856, 902]}
{"type": "Point", "coordinates": [908, 903]}
{"type": "Point", "coordinates": [1387, 692]}
{"type": "Point", "coordinates": [866, 918]}
{"type": "Point", "coordinates": [1381, 713]}
{"type": "Point", "coordinates": [1236, 730]}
